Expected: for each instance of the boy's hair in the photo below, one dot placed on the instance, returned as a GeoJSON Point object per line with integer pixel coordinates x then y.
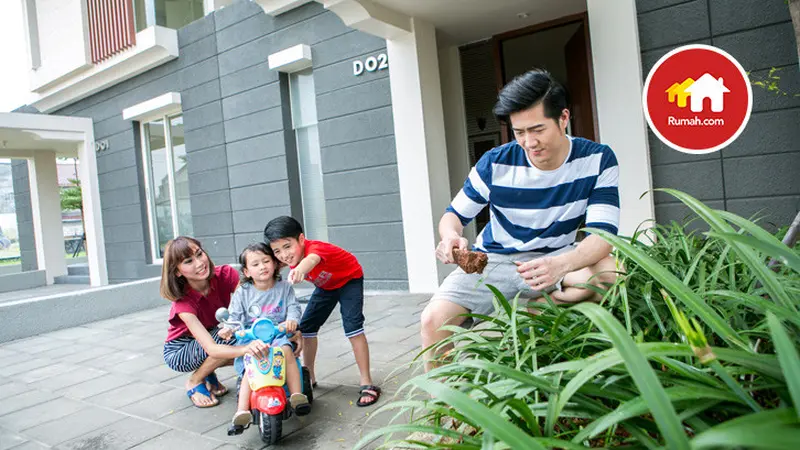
{"type": "Point", "coordinates": [528, 90]}
{"type": "Point", "coordinates": [173, 287]}
{"type": "Point", "coordinates": [253, 248]}
{"type": "Point", "coordinates": [281, 228]}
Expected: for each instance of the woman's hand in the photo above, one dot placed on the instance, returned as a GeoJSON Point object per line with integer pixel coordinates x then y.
{"type": "Point", "coordinates": [226, 333]}
{"type": "Point", "coordinates": [257, 349]}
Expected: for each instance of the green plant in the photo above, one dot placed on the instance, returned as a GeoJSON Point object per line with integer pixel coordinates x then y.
{"type": "Point", "coordinates": [71, 199]}
{"type": "Point", "coordinates": [695, 346]}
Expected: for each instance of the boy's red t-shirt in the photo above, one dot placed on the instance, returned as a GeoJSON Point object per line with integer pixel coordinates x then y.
{"type": "Point", "coordinates": [336, 267]}
{"type": "Point", "coordinates": [222, 285]}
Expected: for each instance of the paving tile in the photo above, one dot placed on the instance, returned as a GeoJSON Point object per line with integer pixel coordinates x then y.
{"type": "Point", "coordinates": [127, 394]}
{"type": "Point", "coordinates": [44, 412]}
{"type": "Point", "coordinates": [62, 351]}
{"type": "Point", "coordinates": [326, 435]}
{"type": "Point", "coordinates": [68, 378]}
{"type": "Point", "coordinates": [129, 342]}
{"type": "Point", "coordinates": [28, 345]}
{"type": "Point", "coordinates": [339, 405]}
{"type": "Point", "coordinates": [88, 354]}
{"type": "Point", "coordinates": [121, 435]}
{"type": "Point", "coordinates": [201, 420]}
{"type": "Point", "coordinates": [31, 445]}
{"type": "Point", "coordinates": [158, 374]}
{"type": "Point", "coordinates": [251, 439]}
{"type": "Point", "coordinates": [50, 370]}
{"type": "Point", "coordinates": [14, 388]}
{"type": "Point", "coordinates": [73, 425]}
{"type": "Point", "coordinates": [156, 407]}
{"type": "Point", "coordinates": [8, 357]}
{"type": "Point", "coordinates": [9, 439]}
{"type": "Point", "coordinates": [113, 358]}
{"type": "Point", "coordinates": [72, 333]}
{"type": "Point", "coordinates": [96, 386]}
{"type": "Point", "coordinates": [23, 366]}
{"type": "Point", "coordinates": [24, 400]}
{"type": "Point", "coordinates": [179, 440]}
{"type": "Point", "coordinates": [137, 364]}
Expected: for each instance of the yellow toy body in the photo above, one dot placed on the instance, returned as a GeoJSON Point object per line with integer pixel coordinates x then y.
{"type": "Point", "coordinates": [270, 371]}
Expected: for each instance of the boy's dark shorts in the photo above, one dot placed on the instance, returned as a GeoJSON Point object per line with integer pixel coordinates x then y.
{"type": "Point", "coordinates": [350, 297]}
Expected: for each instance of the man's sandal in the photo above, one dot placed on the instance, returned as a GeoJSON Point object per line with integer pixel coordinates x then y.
{"type": "Point", "coordinates": [203, 390]}
{"type": "Point", "coordinates": [217, 388]}
{"type": "Point", "coordinates": [368, 391]}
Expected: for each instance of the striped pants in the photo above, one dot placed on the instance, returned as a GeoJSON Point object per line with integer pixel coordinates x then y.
{"type": "Point", "coordinates": [185, 354]}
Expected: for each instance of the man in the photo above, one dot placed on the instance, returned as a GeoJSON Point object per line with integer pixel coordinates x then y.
{"type": "Point", "coordinates": [541, 189]}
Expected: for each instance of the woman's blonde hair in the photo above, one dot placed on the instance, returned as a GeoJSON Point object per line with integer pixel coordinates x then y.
{"type": "Point", "coordinates": [173, 287]}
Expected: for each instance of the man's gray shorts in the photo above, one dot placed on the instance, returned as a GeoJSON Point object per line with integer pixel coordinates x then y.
{"type": "Point", "coordinates": [471, 292]}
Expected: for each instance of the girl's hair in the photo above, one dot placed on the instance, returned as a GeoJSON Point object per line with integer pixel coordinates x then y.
{"type": "Point", "coordinates": [173, 287]}
{"type": "Point", "coordinates": [261, 248]}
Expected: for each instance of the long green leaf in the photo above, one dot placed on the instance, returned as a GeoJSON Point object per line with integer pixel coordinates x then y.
{"type": "Point", "coordinates": [657, 400]}
{"type": "Point", "coordinates": [772, 429]}
{"type": "Point", "coordinates": [787, 356]}
{"type": "Point", "coordinates": [779, 250]}
{"type": "Point", "coordinates": [638, 407]}
{"type": "Point", "coordinates": [480, 415]}
{"type": "Point", "coordinates": [717, 221]}
{"type": "Point", "coordinates": [676, 286]}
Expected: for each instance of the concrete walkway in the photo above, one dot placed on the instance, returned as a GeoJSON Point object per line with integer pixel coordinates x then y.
{"type": "Point", "coordinates": [105, 386]}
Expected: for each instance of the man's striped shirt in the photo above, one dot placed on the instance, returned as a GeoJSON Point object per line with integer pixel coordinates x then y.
{"type": "Point", "coordinates": [536, 210]}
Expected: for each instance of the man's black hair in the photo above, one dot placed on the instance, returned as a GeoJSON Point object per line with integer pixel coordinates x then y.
{"type": "Point", "coordinates": [281, 228]}
{"type": "Point", "coordinates": [528, 90]}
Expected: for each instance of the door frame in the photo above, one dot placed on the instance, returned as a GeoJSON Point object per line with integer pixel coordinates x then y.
{"type": "Point", "coordinates": [497, 55]}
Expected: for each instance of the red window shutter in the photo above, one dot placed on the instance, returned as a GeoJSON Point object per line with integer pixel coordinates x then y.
{"type": "Point", "coordinates": [111, 28]}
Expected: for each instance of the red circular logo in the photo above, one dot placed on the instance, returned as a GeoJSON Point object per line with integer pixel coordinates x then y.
{"type": "Point", "coordinates": [697, 99]}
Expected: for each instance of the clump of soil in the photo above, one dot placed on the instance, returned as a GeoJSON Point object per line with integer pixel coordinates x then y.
{"type": "Point", "coordinates": [470, 262]}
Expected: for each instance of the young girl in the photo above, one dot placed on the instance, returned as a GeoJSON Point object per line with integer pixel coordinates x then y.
{"type": "Point", "coordinates": [197, 289]}
{"type": "Point", "coordinates": [261, 285]}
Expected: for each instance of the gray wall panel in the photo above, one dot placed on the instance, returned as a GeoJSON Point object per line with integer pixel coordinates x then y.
{"type": "Point", "coordinates": [212, 224]}
{"type": "Point", "coordinates": [248, 78]}
{"type": "Point", "coordinates": [361, 183]}
{"type": "Point", "coordinates": [369, 238]}
{"type": "Point", "coordinates": [214, 202]}
{"type": "Point", "coordinates": [200, 95]}
{"type": "Point", "coordinates": [360, 154]}
{"type": "Point", "coordinates": [258, 172]}
{"type": "Point", "coordinates": [362, 97]}
{"type": "Point", "coordinates": [262, 122]}
{"type": "Point", "coordinates": [22, 203]}
{"type": "Point", "coordinates": [254, 220]}
{"type": "Point", "coordinates": [760, 167]}
{"type": "Point", "coordinates": [668, 26]}
{"type": "Point", "coordinates": [365, 125]}
{"type": "Point", "coordinates": [211, 181]}
{"type": "Point", "coordinates": [254, 100]}
{"type": "Point", "coordinates": [379, 208]}
{"type": "Point", "coordinates": [202, 117]}
{"type": "Point", "coordinates": [254, 149]}
{"type": "Point", "coordinates": [260, 196]}
{"type": "Point", "coordinates": [208, 159]}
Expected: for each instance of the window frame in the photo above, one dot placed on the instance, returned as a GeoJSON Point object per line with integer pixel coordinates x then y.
{"type": "Point", "coordinates": [148, 182]}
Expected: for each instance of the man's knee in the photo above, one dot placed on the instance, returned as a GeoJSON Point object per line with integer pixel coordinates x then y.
{"type": "Point", "coordinates": [440, 312]}
{"type": "Point", "coordinates": [604, 272]}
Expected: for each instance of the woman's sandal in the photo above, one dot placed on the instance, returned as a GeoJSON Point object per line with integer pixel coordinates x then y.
{"type": "Point", "coordinates": [203, 390]}
{"type": "Point", "coordinates": [368, 390]}
{"type": "Point", "coordinates": [217, 388]}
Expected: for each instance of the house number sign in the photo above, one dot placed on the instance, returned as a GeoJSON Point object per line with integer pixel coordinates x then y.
{"type": "Point", "coordinates": [370, 64]}
{"type": "Point", "coordinates": [100, 146]}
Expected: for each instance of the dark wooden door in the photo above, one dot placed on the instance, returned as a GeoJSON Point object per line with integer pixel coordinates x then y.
{"type": "Point", "coordinates": [579, 84]}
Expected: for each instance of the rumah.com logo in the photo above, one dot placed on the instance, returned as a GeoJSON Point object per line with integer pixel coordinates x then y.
{"type": "Point", "coordinates": [697, 99]}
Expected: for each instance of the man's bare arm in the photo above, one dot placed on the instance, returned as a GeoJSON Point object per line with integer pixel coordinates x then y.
{"type": "Point", "coordinates": [450, 233]}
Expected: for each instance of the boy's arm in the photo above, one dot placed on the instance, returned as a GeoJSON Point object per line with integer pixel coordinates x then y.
{"type": "Point", "coordinates": [298, 274]}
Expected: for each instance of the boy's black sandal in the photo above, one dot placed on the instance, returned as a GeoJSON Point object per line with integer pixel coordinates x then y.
{"type": "Point", "coordinates": [370, 391]}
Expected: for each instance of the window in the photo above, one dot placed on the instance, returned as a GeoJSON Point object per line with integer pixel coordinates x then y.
{"type": "Point", "coordinates": [304, 122]}
{"type": "Point", "coordinates": [166, 181]}
{"type": "Point", "coordinates": [173, 14]}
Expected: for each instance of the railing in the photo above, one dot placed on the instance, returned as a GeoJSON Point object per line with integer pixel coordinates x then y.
{"type": "Point", "coordinates": [111, 27]}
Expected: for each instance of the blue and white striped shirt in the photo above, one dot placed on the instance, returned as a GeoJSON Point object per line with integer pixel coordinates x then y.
{"type": "Point", "coordinates": [537, 210]}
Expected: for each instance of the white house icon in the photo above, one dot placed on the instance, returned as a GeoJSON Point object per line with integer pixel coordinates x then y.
{"type": "Point", "coordinates": [707, 87]}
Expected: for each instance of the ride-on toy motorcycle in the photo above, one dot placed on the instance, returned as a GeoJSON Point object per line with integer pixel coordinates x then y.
{"type": "Point", "coordinates": [267, 377]}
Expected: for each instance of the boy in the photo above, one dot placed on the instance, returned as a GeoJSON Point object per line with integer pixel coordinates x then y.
{"type": "Point", "coordinates": [338, 278]}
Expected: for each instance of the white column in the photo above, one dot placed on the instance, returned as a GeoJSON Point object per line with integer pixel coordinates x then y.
{"type": "Point", "coordinates": [618, 92]}
{"type": "Point", "coordinates": [93, 219]}
{"type": "Point", "coordinates": [46, 209]}
{"type": "Point", "coordinates": [455, 120]}
{"type": "Point", "coordinates": [421, 149]}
